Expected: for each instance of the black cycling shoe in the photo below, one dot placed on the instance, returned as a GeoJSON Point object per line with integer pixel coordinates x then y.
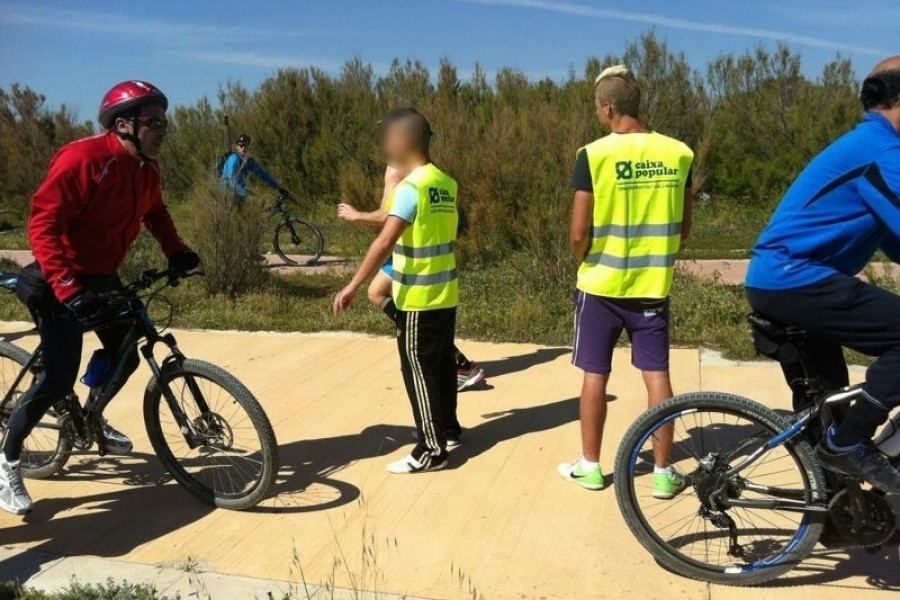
{"type": "Point", "coordinates": [862, 460]}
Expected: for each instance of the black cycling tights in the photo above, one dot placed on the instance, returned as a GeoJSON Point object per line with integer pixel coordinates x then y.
{"type": "Point", "coordinates": [61, 336]}
{"type": "Point", "coordinates": [844, 311]}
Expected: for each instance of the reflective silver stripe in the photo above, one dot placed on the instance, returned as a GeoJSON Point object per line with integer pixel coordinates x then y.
{"type": "Point", "coordinates": [426, 252]}
{"type": "Point", "coordinates": [633, 231]}
{"type": "Point", "coordinates": [433, 278]}
{"type": "Point", "coordinates": [631, 262]}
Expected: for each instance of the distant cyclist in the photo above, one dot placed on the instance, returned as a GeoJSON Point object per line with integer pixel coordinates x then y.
{"type": "Point", "coordinates": [84, 218]}
{"type": "Point", "coordinates": [468, 373]}
{"type": "Point", "coordinates": [239, 165]}
{"type": "Point", "coordinates": [842, 209]}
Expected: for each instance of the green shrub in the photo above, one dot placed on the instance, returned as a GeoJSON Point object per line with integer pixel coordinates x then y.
{"type": "Point", "coordinates": [228, 236]}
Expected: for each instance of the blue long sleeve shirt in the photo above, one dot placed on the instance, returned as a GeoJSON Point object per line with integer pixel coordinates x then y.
{"type": "Point", "coordinates": [843, 207]}
{"type": "Point", "coordinates": [235, 172]}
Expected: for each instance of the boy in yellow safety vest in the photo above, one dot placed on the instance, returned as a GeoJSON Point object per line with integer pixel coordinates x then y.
{"type": "Point", "coordinates": [632, 210]}
{"type": "Point", "coordinates": [420, 233]}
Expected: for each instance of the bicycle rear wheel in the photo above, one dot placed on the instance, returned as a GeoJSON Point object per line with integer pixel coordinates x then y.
{"type": "Point", "coordinates": [228, 457]}
{"type": "Point", "coordinates": [727, 545]}
{"type": "Point", "coordinates": [47, 448]}
{"type": "Point", "coordinates": [299, 242]}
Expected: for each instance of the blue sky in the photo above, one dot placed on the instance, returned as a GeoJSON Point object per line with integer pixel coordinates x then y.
{"type": "Point", "coordinates": [73, 51]}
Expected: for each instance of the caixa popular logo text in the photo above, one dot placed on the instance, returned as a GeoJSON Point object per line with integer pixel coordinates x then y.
{"type": "Point", "coordinates": [647, 169]}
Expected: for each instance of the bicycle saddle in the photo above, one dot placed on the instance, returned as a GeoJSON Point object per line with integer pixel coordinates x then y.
{"type": "Point", "coordinates": [773, 329]}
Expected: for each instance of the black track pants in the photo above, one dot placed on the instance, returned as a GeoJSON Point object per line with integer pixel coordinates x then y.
{"type": "Point", "coordinates": [428, 361]}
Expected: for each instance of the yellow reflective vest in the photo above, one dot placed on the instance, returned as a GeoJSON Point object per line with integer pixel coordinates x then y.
{"type": "Point", "coordinates": [639, 183]}
{"type": "Point", "coordinates": [424, 258]}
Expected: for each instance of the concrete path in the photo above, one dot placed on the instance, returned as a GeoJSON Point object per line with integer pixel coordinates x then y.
{"type": "Point", "coordinates": [499, 523]}
{"type": "Point", "coordinates": [727, 271]}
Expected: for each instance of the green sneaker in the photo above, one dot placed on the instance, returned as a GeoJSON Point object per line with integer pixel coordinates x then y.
{"type": "Point", "coordinates": [668, 485]}
{"type": "Point", "coordinates": [589, 480]}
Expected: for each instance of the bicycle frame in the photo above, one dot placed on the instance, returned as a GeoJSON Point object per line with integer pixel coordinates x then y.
{"type": "Point", "coordinates": [280, 209]}
{"type": "Point", "coordinates": [135, 312]}
{"type": "Point", "coordinates": [789, 503]}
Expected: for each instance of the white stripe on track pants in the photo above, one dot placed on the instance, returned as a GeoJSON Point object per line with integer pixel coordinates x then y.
{"type": "Point", "coordinates": [428, 361]}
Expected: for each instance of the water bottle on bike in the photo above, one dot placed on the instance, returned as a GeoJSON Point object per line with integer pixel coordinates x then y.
{"type": "Point", "coordinates": [96, 371]}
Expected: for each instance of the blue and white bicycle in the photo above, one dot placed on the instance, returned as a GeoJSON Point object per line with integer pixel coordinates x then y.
{"type": "Point", "coordinates": [757, 501]}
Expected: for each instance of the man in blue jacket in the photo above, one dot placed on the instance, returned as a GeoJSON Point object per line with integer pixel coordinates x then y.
{"type": "Point", "coordinates": [842, 209]}
{"type": "Point", "coordinates": [239, 165]}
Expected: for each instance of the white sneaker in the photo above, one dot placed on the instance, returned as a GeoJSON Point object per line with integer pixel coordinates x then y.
{"type": "Point", "coordinates": [409, 464]}
{"type": "Point", "coordinates": [116, 442]}
{"type": "Point", "coordinates": [14, 497]}
{"type": "Point", "coordinates": [467, 377]}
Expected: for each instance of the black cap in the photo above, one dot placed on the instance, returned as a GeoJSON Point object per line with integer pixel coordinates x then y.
{"type": "Point", "coordinates": [403, 112]}
{"type": "Point", "coordinates": [243, 139]}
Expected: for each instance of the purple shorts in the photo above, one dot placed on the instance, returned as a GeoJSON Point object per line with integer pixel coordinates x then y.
{"type": "Point", "coordinates": [599, 323]}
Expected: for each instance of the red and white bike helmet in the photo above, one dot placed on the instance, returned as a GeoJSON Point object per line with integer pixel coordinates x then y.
{"type": "Point", "coordinates": [125, 97]}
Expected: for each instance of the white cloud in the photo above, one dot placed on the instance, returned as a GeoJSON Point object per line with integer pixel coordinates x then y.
{"type": "Point", "coordinates": [581, 10]}
{"type": "Point", "coordinates": [256, 59]}
{"type": "Point", "coordinates": [125, 26]}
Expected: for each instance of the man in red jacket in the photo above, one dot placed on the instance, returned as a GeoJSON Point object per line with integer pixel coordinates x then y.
{"type": "Point", "coordinates": [84, 218]}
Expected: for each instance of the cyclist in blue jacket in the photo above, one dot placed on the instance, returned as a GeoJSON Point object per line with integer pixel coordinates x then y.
{"type": "Point", "coordinates": [239, 165]}
{"type": "Point", "coordinates": [841, 210]}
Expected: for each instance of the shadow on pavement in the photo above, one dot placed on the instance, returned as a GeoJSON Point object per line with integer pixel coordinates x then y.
{"type": "Point", "coordinates": [109, 524]}
{"type": "Point", "coordinates": [12, 336]}
{"type": "Point", "coordinates": [879, 569]}
{"type": "Point", "coordinates": [501, 426]}
{"type": "Point", "coordinates": [307, 480]}
{"type": "Point", "coordinates": [143, 505]}
{"type": "Point", "coordinates": [523, 362]}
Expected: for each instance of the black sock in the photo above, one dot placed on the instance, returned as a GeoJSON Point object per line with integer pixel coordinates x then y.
{"type": "Point", "coordinates": [862, 419]}
{"type": "Point", "coordinates": [390, 309]}
{"type": "Point", "coordinates": [461, 361]}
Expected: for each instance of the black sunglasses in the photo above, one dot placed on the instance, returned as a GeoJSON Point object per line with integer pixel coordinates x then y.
{"type": "Point", "coordinates": [243, 145]}
{"type": "Point", "coordinates": [154, 123]}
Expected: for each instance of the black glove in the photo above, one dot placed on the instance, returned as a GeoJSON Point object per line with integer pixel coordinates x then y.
{"type": "Point", "coordinates": [88, 305]}
{"type": "Point", "coordinates": [284, 192]}
{"type": "Point", "coordinates": [184, 261]}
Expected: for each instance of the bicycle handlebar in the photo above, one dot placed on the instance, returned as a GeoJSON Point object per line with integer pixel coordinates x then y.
{"type": "Point", "coordinates": [121, 303]}
{"type": "Point", "coordinates": [151, 276]}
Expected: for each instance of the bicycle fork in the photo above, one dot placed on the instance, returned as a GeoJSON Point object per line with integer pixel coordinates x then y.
{"type": "Point", "coordinates": [184, 423]}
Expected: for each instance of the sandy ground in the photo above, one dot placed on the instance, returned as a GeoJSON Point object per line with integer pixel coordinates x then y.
{"type": "Point", "coordinates": [500, 519]}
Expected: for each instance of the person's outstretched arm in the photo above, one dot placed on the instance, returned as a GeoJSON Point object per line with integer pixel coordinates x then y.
{"type": "Point", "coordinates": [375, 218]}
{"type": "Point", "coordinates": [258, 170]}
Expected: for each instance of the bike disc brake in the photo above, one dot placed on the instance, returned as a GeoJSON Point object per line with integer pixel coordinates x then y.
{"type": "Point", "coordinates": [868, 522]}
{"type": "Point", "coordinates": [213, 430]}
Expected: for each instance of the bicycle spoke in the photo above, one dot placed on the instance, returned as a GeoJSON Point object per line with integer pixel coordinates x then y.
{"type": "Point", "coordinates": [679, 523]}
{"type": "Point", "coordinates": [228, 460]}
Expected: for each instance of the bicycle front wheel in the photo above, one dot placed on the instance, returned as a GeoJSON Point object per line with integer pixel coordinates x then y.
{"type": "Point", "coordinates": [299, 242]}
{"type": "Point", "coordinates": [47, 448]}
{"type": "Point", "coordinates": [211, 434]}
{"type": "Point", "coordinates": [706, 539]}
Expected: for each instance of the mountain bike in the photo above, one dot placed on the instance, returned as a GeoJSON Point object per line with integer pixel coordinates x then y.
{"type": "Point", "coordinates": [757, 501]}
{"type": "Point", "coordinates": [207, 429]}
{"type": "Point", "coordinates": [297, 241]}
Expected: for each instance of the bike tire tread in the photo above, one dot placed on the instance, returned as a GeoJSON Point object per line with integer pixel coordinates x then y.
{"type": "Point", "coordinates": [716, 400]}
{"type": "Point", "coordinates": [153, 401]}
